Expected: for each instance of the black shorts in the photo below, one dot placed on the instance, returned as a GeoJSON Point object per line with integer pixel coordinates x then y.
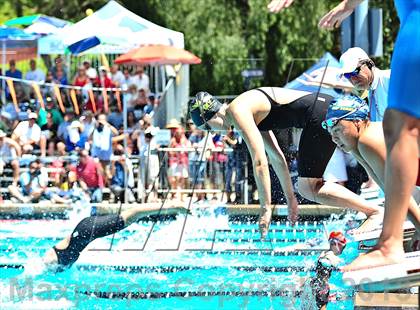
{"type": "Point", "coordinates": [315, 146]}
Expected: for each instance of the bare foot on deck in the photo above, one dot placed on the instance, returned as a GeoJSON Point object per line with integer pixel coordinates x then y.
{"type": "Point", "coordinates": [372, 222]}
{"type": "Point", "coordinates": [264, 221]}
{"type": "Point", "coordinates": [379, 256]}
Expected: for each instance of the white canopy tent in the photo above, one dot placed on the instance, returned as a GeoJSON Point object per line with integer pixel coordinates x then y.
{"type": "Point", "coordinates": [118, 29]}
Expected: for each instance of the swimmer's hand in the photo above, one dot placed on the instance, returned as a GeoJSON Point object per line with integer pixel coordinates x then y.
{"type": "Point", "coordinates": [335, 17]}
{"type": "Point", "coordinates": [293, 211]}
{"type": "Point", "coordinates": [276, 6]}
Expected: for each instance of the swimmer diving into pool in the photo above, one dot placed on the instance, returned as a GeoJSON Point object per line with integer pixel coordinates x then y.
{"type": "Point", "coordinates": [65, 253]}
{"type": "Point", "coordinates": [255, 113]}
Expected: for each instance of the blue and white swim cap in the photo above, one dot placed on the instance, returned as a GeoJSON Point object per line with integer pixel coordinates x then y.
{"type": "Point", "coordinates": [348, 108]}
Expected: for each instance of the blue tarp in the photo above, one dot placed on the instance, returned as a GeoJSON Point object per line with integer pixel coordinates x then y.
{"type": "Point", "coordinates": [326, 60]}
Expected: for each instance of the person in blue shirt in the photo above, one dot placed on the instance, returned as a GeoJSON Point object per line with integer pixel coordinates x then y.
{"type": "Point", "coordinates": [13, 72]}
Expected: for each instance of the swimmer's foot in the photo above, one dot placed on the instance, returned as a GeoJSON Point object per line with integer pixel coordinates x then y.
{"type": "Point", "coordinates": [264, 221]}
{"type": "Point", "coordinates": [379, 256]}
{"type": "Point", "coordinates": [373, 222]}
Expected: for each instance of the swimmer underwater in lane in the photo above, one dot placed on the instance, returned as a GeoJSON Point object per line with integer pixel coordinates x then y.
{"type": "Point", "coordinates": [254, 114]}
{"type": "Point", "coordinates": [67, 251]}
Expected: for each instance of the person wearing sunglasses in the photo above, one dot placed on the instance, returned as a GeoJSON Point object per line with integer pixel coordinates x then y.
{"type": "Point", "coordinates": [362, 73]}
{"type": "Point", "coordinates": [254, 114]}
{"type": "Point", "coordinates": [347, 121]}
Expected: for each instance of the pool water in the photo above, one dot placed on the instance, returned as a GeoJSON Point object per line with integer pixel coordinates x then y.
{"type": "Point", "coordinates": [204, 261]}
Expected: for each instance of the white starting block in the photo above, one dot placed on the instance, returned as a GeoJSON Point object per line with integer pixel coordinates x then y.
{"type": "Point", "coordinates": [374, 234]}
{"type": "Point", "coordinates": [390, 277]}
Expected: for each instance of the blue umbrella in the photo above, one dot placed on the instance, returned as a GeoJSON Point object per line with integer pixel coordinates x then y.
{"type": "Point", "coordinates": [13, 33]}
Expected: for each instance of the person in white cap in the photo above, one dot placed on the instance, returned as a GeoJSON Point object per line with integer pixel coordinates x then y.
{"type": "Point", "coordinates": [361, 71]}
{"type": "Point", "coordinates": [10, 152]}
{"type": "Point", "coordinates": [27, 133]}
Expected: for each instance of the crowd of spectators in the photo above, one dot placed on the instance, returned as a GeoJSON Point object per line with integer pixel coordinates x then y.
{"type": "Point", "coordinates": [66, 156]}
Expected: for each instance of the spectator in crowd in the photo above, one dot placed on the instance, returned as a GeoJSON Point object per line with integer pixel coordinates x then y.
{"type": "Point", "coordinates": [128, 80]}
{"type": "Point", "coordinates": [59, 66]}
{"type": "Point", "coordinates": [62, 132]}
{"type": "Point", "coordinates": [234, 165]}
{"type": "Point", "coordinates": [138, 135]}
{"type": "Point", "coordinates": [121, 170]}
{"type": "Point", "coordinates": [130, 97]}
{"type": "Point", "coordinates": [90, 71]}
{"type": "Point", "coordinates": [13, 72]}
{"type": "Point", "coordinates": [151, 104]}
{"type": "Point", "coordinates": [6, 121]}
{"type": "Point", "coordinates": [81, 78]}
{"type": "Point", "coordinates": [141, 101]}
{"type": "Point", "coordinates": [198, 161]}
{"type": "Point", "coordinates": [60, 77]}
{"type": "Point", "coordinates": [132, 123]}
{"type": "Point", "coordinates": [103, 80]}
{"type": "Point", "coordinates": [217, 165]}
{"type": "Point", "coordinates": [48, 91]}
{"type": "Point", "coordinates": [190, 127]}
{"type": "Point", "coordinates": [149, 165]}
{"type": "Point", "coordinates": [10, 152]}
{"type": "Point", "coordinates": [34, 74]}
{"type": "Point", "coordinates": [178, 161]}
{"type": "Point", "coordinates": [50, 107]}
{"type": "Point", "coordinates": [49, 133]}
{"type": "Point", "coordinates": [33, 184]}
{"type": "Point", "coordinates": [71, 188]}
{"type": "Point", "coordinates": [141, 79]}
{"type": "Point", "coordinates": [76, 139]}
{"type": "Point", "coordinates": [89, 123]}
{"type": "Point", "coordinates": [90, 174]}
{"type": "Point", "coordinates": [173, 126]}
{"type": "Point", "coordinates": [102, 141]}
{"type": "Point", "coordinates": [115, 118]}
{"type": "Point", "coordinates": [28, 134]}
{"type": "Point", "coordinates": [117, 76]}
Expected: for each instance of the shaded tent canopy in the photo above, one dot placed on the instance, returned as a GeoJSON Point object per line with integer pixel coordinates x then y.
{"type": "Point", "coordinates": [117, 29]}
{"type": "Point", "coordinates": [332, 66]}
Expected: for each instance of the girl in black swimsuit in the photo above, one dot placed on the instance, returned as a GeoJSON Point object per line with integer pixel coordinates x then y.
{"type": "Point", "coordinates": [255, 113]}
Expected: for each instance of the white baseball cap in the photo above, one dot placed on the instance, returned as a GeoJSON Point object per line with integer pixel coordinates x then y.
{"type": "Point", "coordinates": [351, 58]}
{"type": "Point", "coordinates": [32, 115]}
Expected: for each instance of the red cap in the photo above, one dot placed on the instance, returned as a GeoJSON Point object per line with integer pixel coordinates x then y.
{"type": "Point", "coordinates": [337, 235]}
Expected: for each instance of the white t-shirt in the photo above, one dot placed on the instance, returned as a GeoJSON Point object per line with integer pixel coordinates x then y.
{"type": "Point", "coordinates": [141, 83]}
{"type": "Point", "coordinates": [37, 75]}
{"type": "Point", "coordinates": [118, 77]}
{"type": "Point", "coordinates": [26, 133]}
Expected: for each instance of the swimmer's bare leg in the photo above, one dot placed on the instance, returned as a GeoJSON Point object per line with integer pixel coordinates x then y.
{"type": "Point", "coordinates": [332, 194]}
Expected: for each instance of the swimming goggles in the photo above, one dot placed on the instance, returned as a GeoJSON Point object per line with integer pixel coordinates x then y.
{"type": "Point", "coordinates": [331, 122]}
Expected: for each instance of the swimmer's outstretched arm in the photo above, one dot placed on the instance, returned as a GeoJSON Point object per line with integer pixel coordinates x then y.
{"type": "Point", "coordinates": [134, 214]}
